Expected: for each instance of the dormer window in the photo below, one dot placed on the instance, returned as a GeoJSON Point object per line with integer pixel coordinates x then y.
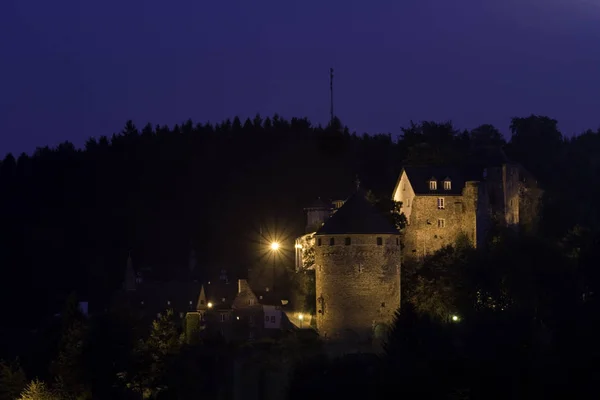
{"type": "Point", "coordinates": [432, 184]}
{"type": "Point", "coordinates": [447, 184]}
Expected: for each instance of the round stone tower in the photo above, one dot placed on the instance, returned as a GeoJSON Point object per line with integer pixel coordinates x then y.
{"type": "Point", "coordinates": [357, 271]}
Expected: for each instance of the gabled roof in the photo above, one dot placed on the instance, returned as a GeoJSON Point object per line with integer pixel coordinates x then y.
{"type": "Point", "coordinates": [357, 216]}
{"type": "Point", "coordinates": [153, 297]}
{"type": "Point", "coordinates": [419, 178]}
{"type": "Point", "coordinates": [221, 294]}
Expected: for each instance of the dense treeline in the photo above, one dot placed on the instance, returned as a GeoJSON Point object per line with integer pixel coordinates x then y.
{"type": "Point", "coordinates": [70, 216]}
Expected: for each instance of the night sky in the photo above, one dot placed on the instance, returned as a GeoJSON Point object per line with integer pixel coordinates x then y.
{"type": "Point", "coordinates": [72, 69]}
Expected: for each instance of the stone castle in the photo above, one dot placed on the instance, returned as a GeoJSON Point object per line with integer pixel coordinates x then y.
{"type": "Point", "coordinates": [357, 252]}
{"type": "Point", "coordinates": [357, 271]}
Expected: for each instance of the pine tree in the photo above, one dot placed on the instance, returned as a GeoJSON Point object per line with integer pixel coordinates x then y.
{"type": "Point", "coordinates": [12, 380]}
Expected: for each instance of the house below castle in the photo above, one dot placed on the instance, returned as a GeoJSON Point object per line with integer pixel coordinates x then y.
{"type": "Point", "coordinates": [220, 307]}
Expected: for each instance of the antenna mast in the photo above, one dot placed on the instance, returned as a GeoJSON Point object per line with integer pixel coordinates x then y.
{"type": "Point", "coordinates": [331, 94]}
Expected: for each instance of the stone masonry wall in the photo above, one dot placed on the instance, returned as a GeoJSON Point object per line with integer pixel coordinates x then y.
{"type": "Point", "coordinates": [357, 285]}
{"type": "Point", "coordinates": [431, 228]}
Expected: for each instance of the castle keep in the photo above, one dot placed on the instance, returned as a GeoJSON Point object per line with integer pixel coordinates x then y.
{"type": "Point", "coordinates": [440, 204]}
{"type": "Point", "coordinates": [443, 203]}
{"type": "Point", "coordinates": [357, 272]}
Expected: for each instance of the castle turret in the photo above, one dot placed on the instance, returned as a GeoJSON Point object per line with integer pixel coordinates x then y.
{"type": "Point", "coordinates": [357, 271]}
{"type": "Point", "coordinates": [316, 215]}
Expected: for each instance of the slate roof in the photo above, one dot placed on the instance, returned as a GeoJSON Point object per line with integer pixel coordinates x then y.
{"type": "Point", "coordinates": [357, 216]}
{"type": "Point", "coordinates": [150, 298]}
{"type": "Point", "coordinates": [419, 178]}
{"type": "Point", "coordinates": [220, 294]}
{"type": "Point", "coordinates": [268, 298]}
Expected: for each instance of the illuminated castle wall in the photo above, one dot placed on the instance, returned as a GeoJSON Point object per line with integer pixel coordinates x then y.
{"type": "Point", "coordinates": [357, 272]}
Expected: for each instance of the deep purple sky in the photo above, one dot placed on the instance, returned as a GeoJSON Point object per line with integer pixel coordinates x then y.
{"type": "Point", "coordinates": [73, 69]}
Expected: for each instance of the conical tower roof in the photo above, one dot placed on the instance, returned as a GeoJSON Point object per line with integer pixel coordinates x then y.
{"type": "Point", "coordinates": [357, 216]}
{"type": "Point", "coordinates": [202, 304]}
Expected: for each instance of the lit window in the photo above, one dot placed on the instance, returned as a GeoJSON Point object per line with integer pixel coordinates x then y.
{"type": "Point", "coordinates": [379, 241]}
{"type": "Point", "coordinates": [447, 185]}
{"type": "Point", "coordinates": [440, 203]}
{"type": "Point", "coordinates": [331, 241]}
{"type": "Point", "coordinates": [180, 315]}
{"type": "Point", "coordinates": [432, 185]}
{"type": "Point", "coordinates": [441, 223]}
{"type": "Point", "coordinates": [348, 241]}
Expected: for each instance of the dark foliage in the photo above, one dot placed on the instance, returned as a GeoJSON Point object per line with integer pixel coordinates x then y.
{"type": "Point", "coordinates": [527, 303]}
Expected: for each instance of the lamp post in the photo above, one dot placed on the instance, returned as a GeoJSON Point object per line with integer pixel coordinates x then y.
{"type": "Point", "coordinates": [274, 250]}
{"type": "Point", "coordinates": [301, 318]}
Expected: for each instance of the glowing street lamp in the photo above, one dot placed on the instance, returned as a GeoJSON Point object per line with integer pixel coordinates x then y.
{"type": "Point", "coordinates": [209, 304]}
{"type": "Point", "coordinates": [275, 248]}
{"type": "Point", "coordinates": [301, 318]}
{"type": "Point", "coordinates": [455, 318]}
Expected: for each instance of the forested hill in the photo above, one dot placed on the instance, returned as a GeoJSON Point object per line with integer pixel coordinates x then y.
{"type": "Point", "coordinates": [70, 216]}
